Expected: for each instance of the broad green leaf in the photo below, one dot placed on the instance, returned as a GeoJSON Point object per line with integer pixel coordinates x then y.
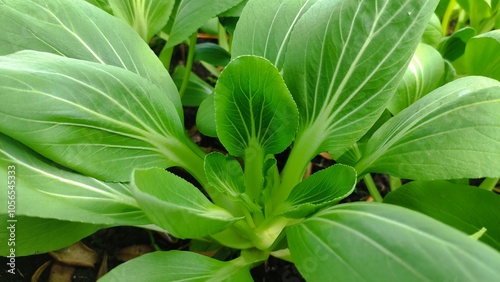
{"type": "Point", "coordinates": [177, 266]}
{"type": "Point", "coordinates": [224, 173]}
{"type": "Point", "coordinates": [99, 120]}
{"type": "Point", "coordinates": [212, 54]}
{"type": "Point", "coordinates": [464, 207]}
{"type": "Point", "coordinates": [481, 55]}
{"type": "Point", "coordinates": [343, 62]}
{"type": "Point", "coordinates": [424, 74]}
{"type": "Point", "coordinates": [39, 184]}
{"type": "Point", "coordinates": [205, 117]}
{"type": "Point", "coordinates": [77, 29]}
{"type": "Point", "coordinates": [197, 90]}
{"type": "Point", "coordinates": [253, 105]}
{"type": "Point", "coordinates": [210, 27]}
{"type": "Point", "coordinates": [432, 33]}
{"type": "Point", "coordinates": [147, 17]}
{"type": "Point", "coordinates": [235, 11]}
{"type": "Point", "coordinates": [319, 190]}
{"type": "Point", "coordinates": [453, 46]}
{"type": "Point", "coordinates": [452, 132]}
{"type": "Point", "coordinates": [34, 235]}
{"type": "Point", "coordinates": [265, 26]}
{"type": "Point", "coordinates": [379, 242]}
{"type": "Point", "coordinates": [192, 14]}
{"type": "Point", "coordinates": [176, 205]}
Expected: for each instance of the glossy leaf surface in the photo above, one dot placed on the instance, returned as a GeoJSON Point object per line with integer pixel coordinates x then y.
{"type": "Point", "coordinates": [481, 55]}
{"type": "Point", "coordinates": [424, 74]}
{"type": "Point", "coordinates": [265, 26]}
{"type": "Point", "coordinates": [71, 196]}
{"type": "Point", "coordinates": [176, 205]}
{"type": "Point", "coordinates": [453, 132]}
{"type": "Point", "coordinates": [453, 46]}
{"type": "Point", "coordinates": [343, 62]}
{"type": "Point", "coordinates": [253, 105]}
{"type": "Point", "coordinates": [225, 174]}
{"type": "Point", "coordinates": [76, 29]}
{"type": "Point", "coordinates": [99, 120]}
{"type": "Point", "coordinates": [323, 188]}
{"type": "Point", "coordinates": [464, 207]}
{"type": "Point", "coordinates": [380, 242]}
{"type": "Point", "coordinates": [432, 33]}
{"type": "Point", "coordinates": [177, 266]}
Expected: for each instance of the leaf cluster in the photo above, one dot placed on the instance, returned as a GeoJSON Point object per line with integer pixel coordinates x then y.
{"type": "Point", "coordinates": [91, 119]}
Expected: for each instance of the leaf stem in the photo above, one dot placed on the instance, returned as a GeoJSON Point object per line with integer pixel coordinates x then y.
{"type": "Point", "coordinates": [191, 158]}
{"type": "Point", "coordinates": [254, 179]}
{"type": "Point", "coordinates": [166, 56]}
{"type": "Point", "coordinates": [189, 63]}
{"type": "Point", "coordinates": [305, 148]}
{"type": "Point", "coordinates": [372, 188]}
{"type": "Point", "coordinates": [489, 183]}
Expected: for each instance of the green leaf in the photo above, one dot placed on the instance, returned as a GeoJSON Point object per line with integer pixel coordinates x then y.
{"type": "Point", "coordinates": [147, 17]}
{"type": "Point", "coordinates": [453, 46]}
{"type": "Point", "coordinates": [424, 74]}
{"type": "Point", "coordinates": [265, 26]}
{"type": "Point", "coordinates": [432, 33]}
{"type": "Point", "coordinates": [176, 205]}
{"type": "Point", "coordinates": [253, 105]}
{"type": "Point", "coordinates": [40, 183]}
{"type": "Point", "coordinates": [99, 120]}
{"type": "Point", "coordinates": [192, 14]}
{"type": "Point", "coordinates": [205, 117]}
{"type": "Point", "coordinates": [212, 54]}
{"type": "Point", "coordinates": [197, 90]}
{"type": "Point", "coordinates": [481, 55]}
{"type": "Point", "coordinates": [464, 207]}
{"type": "Point", "coordinates": [102, 4]}
{"type": "Point", "coordinates": [477, 10]}
{"type": "Point", "coordinates": [177, 266]}
{"type": "Point", "coordinates": [235, 11]}
{"type": "Point", "coordinates": [77, 29]}
{"type": "Point", "coordinates": [441, 8]}
{"type": "Point", "coordinates": [324, 188]}
{"type": "Point", "coordinates": [379, 242]}
{"type": "Point", "coordinates": [452, 132]}
{"type": "Point", "coordinates": [225, 174]}
{"type": "Point", "coordinates": [210, 27]}
{"type": "Point", "coordinates": [343, 62]}
{"type": "Point", "coordinates": [35, 235]}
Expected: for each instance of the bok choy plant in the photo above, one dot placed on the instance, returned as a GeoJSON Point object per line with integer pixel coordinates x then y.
{"type": "Point", "coordinates": [90, 119]}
